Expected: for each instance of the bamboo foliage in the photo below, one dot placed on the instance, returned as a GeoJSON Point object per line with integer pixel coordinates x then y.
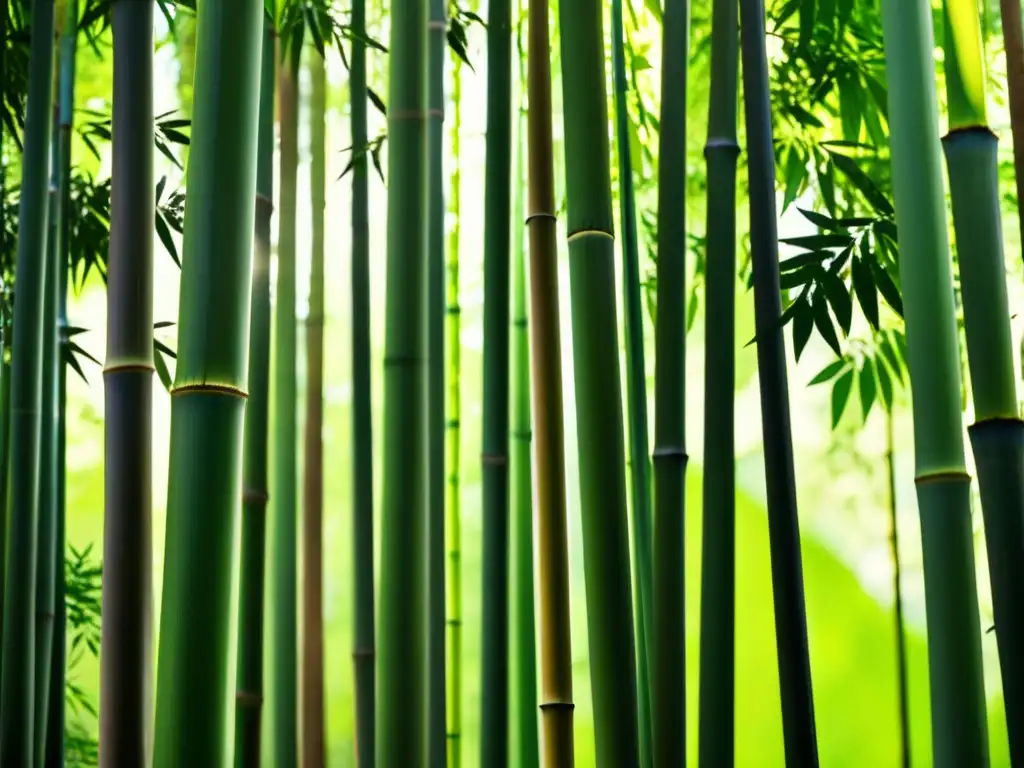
{"type": "Point", "coordinates": [208, 397]}
{"type": "Point", "coordinates": [249, 696]}
{"type": "Point", "coordinates": [17, 684]}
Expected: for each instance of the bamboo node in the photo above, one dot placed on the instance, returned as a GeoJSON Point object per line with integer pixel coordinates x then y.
{"type": "Point", "coordinates": [407, 114]}
{"type": "Point", "coordinates": [453, 622]}
{"type": "Point", "coordinates": [453, 735]}
{"type": "Point", "coordinates": [452, 424]}
{"type": "Point", "coordinates": [265, 203]}
{"type": "Point", "coordinates": [436, 112]}
{"type": "Point", "coordinates": [670, 452]}
{"type": "Point", "coordinates": [557, 706]}
{"type": "Point", "coordinates": [398, 361]}
{"type": "Point", "coordinates": [540, 215]}
{"type": "Point", "coordinates": [253, 496]}
{"type": "Point", "coordinates": [493, 459]}
{"type": "Point", "coordinates": [204, 388]}
{"type": "Point", "coordinates": [942, 476]}
{"type": "Point", "coordinates": [249, 699]}
{"type": "Point", "coordinates": [129, 368]}
{"type": "Point", "coordinates": [364, 653]}
{"type": "Point", "coordinates": [584, 233]}
{"type": "Point", "coordinates": [521, 434]}
{"type": "Point", "coordinates": [453, 310]}
{"type": "Point", "coordinates": [716, 143]}
{"type": "Point", "coordinates": [519, 322]}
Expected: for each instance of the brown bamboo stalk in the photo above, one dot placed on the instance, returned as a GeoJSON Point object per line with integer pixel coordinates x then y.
{"type": "Point", "coordinates": [556, 702]}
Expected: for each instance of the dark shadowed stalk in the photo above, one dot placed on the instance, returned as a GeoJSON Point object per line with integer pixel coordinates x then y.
{"type": "Point", "coordinates": [497, 217]}
{"type": "Point", "coordinates": [783, 523]}
{"type": "Point", "coordinates": [402, 690]}
{"type": "Point", "coordinates": [47, 542]}
{"type": "Point", "coordinates": [901, 642]}
{"type": "Point", "coordinates": [68, 50]}
{"type": "Point", "coordinates": [670, 459]}
{"type": "Point", "coordinates": [362, 415]}
{"type": "Point", "coordinates": [436, 724]}
{"type": "Point", "coordinates": [249, 695]}
{"type": "Point", "coordinates": [1013, 46]}
{"type": "Point", "coordinates": [552, 568]}
{"type": "Point", "coordinates": [523, 748]}
{"type": "Point", "coordinates": [636, 393]}
{"type": "Point", "coordinates": [208, 396]}
{"type": "Point", "coordinates": [933, 358]}
{"type": "Point", "coordinates": [314, 752]}
{"type": "Point", "coordinates": [997, 435]}
{"type": "Point", "coordinates": [598, 393]}
{"type": "Point", "coordinates": [17, 694]}
{"type": "Point", "coordinates": [127, 646]}
{"type": "Point", "coordinates": [453, 458]}
{"type": "Point", "coordinates": [717, 726]}
{"type": "Point", "coordinates": [284, 581]}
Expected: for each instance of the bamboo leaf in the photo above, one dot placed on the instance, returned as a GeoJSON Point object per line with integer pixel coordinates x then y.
{"type": "Point", "coordinates": [849, 168]}
{"type": "Point", "coordinates": [821, 220]}
{"type": "Point", "coordinates": [803, 323]}
{"type": "Point", "coordinates": [885, 384]}
{"type": "Point", "coordinates": [840, 395]}
{"type": "Point", "coordinates": [887, 287]}
{"type": "Point", "coordinates": [839, 299]}
{"type": "Point", "coordinates": [823, 321]}
{"type": "Point", "coordinates": [866, 387]}
{"type": "Point", "coordinates": [803, 260]}
{"type": "Point", "coordinates": [851, 105]}
{"type": "Point", "coordinates": [376, 101]}
{"type": "Point", "coordinates": [796, 172]}
{"type": "Point", "coordinates": [807, 11]}
{"type": "Point", "coordinates": [864, 287]}
{"type": "Point", "coordinates": [162, 371]}
{"type": "Point", "coordinates": [814, 242]}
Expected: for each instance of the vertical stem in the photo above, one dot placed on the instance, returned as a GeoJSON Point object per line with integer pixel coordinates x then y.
{"type": "Point", "coordinates": [249, 694]}
{"type": "Point", "coordinates": [313, 736]}
{"type": "Point", "coordinates": [497, 212]}
{"type": "Point", "coordinates": [552, 568]}
{"type": "Point", "coordinates": [437, 724]}
{"type": "Point", "coordinates": [362, 415]}
{"type": "Point", "coordinates": [402, 694]}
{"type": "Point", "coordinates": [717, 727]}
{"type": "Point", "coordinates": [901, 641]}
{"type": "Point", "coordinates": [127, 659]}
{"type": "Point", "coordinates": [17, 690]}
{"type": "Point", "coordinates": [208, 397]}
{"type": "Point", "coordinates": [453, 462]}
{"type": "Point", "coordinates": [636, 391]}
{"type": "Point", "coordinates": [783, 522]}
{"type": "Point", "coordinates": [284, 670]}
{"type": "Point", "coordinates": [1013, 45]}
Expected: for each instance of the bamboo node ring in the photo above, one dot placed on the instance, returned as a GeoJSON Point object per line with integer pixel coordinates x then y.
{"type": "Point", "coordinates": [209, 389]}
{"type": "Point", "coordinates": [437, 24]}
{"type": "Point", "coordinates": [494, 459]}
{"type": "Point", "coordinates": [249, 699]}
{"type": "Point", "coordinates": [364, 653]}
{"type": "Point", "coordinates": [541, 215]}
{"type": "Point", "coordinates": [263, 201]}
{"type": "Point", "coordinates": [557, 706]}
{"type": "Point", "coordinates": [670, 452]}
{"type": "Point", "coordinates": [129, 368]}
{"type": "Point", "coordinates": [436, 112]}
{"type": "Point", "coordinates": [252, 496]}
{"type": "Point", "coordinates": [942, 476]}
{"type": "Point", "coordinates": [580, 234]}
{"type": "Point", "coordinates": [407, 114]}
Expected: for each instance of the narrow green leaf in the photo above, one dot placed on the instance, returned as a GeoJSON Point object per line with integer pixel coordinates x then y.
{"type": "Point", "coordinates": [840, 394]}
{"type": "Point", "coordinates": [887, 287]}
{"type": "Point", "coordinates": [803, 259]}
{"type": "Point", "coordinates": [823, 321]}
{"type": "Point", "coordinates": [821, 220]}
{"type": "Point", "coordinates": [866, 386]}
{"type": "Point", "coordinates": [864, 287]}
{"type": "Point", "coordinates": [849, 168]}
{"type": "Point", "coordinates": [803, 322]}
{"type": "Point", "coordinates": [839, 299]}
{"type": "Point", "coordinates": [851, 104]}
{"type": "Point", "coordinates": [796, 172]}
{"type": "Point", "coordinates": [884, 384]}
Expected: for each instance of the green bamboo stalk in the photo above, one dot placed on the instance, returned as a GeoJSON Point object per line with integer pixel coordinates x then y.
{"type": "Point", "coordinates": [717, 726]}
{"type": "Point", "coordinates": [783, 523]}
{"type": "Point", "coordinates": [208, 397]}
{"type": "Point", "coordinates": [997, 436]}
{"type": "Point", "coordinates": [552, 574]}
{"type": "Point", "coordinates": [901, 642]}
{"type": "Point", "coordinates": [362, 427]}
{"type": "Point", "coordinates": [47, 542]}
{"type": "Point", "coordinates": [497, 213]}
{"type": "Point", "coordinates": [284, 581]}
{"type": "Point", "coordinates": [670, 459]}
{"type": "Point", "coordinates": [943, 486]}
{"type": "Point", "coordinates": [17, 690]}
{"type": "Point", "coordinates": [249, 695]}
{"type": "Point", "coordinates": [437, 724]}
{"type": "Point", "coordinates": [453, 459]}
{"type": "Point", "coordinates": [314, 752]}
{"type": "Point", "coordinates": [402, 696]}
{"type": "Point", "coordinates": [126, 665]}
{"type": "Point", "coordinates": [598, 401]}
{"type": "Point", "coordinates": [523, 747]}
{"type": "Point", "coordinates": [68, 52]}
{"type": "Point", "coordinates": [636, 393]}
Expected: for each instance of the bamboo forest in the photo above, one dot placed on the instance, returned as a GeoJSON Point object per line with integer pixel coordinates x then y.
{"type": "Point", "coordinates": [512, 383]}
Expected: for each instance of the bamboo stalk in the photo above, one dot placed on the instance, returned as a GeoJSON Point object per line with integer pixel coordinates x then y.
{"type": "Point", "coordinates": [552, 574]}
{"type": "Point", "coordinates": [717, 726]}
{"type": "Point", "coordinates": [901, 642]}
{"type": "Point", "coordinates": [943, 485]}
{"type": "Point", "coordinates": [1013, 47]}
{"type": "Point", "coordinates": [249, 694]}
{"type": "Point", "coordinates": [314, 747]}
{"type": "Point", "coordinates": [599, 434]}
{"type": "Point", "coordinates": [284, 587]}
{"type": "Point", "coordinates": [636, 394]}
{"type": "Point", "coordinates": [437, 725]}
{"type": "Point", "coordinates": [453, 460]}
{"type": "Point", "coordinates": [402, 694]}
{"type": "Point", "coordinates": [126, 665]}
{"type": "Point", "coordinates": [363, 651]}
{"type": "Point", "coordinates": [997, 436]}
{"type": "Point", "coordinates": [783, 523]}
{"type": "Point", "coordinates": [17, 690]}
{"type": "Point", "coordinates": [208, 397]}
